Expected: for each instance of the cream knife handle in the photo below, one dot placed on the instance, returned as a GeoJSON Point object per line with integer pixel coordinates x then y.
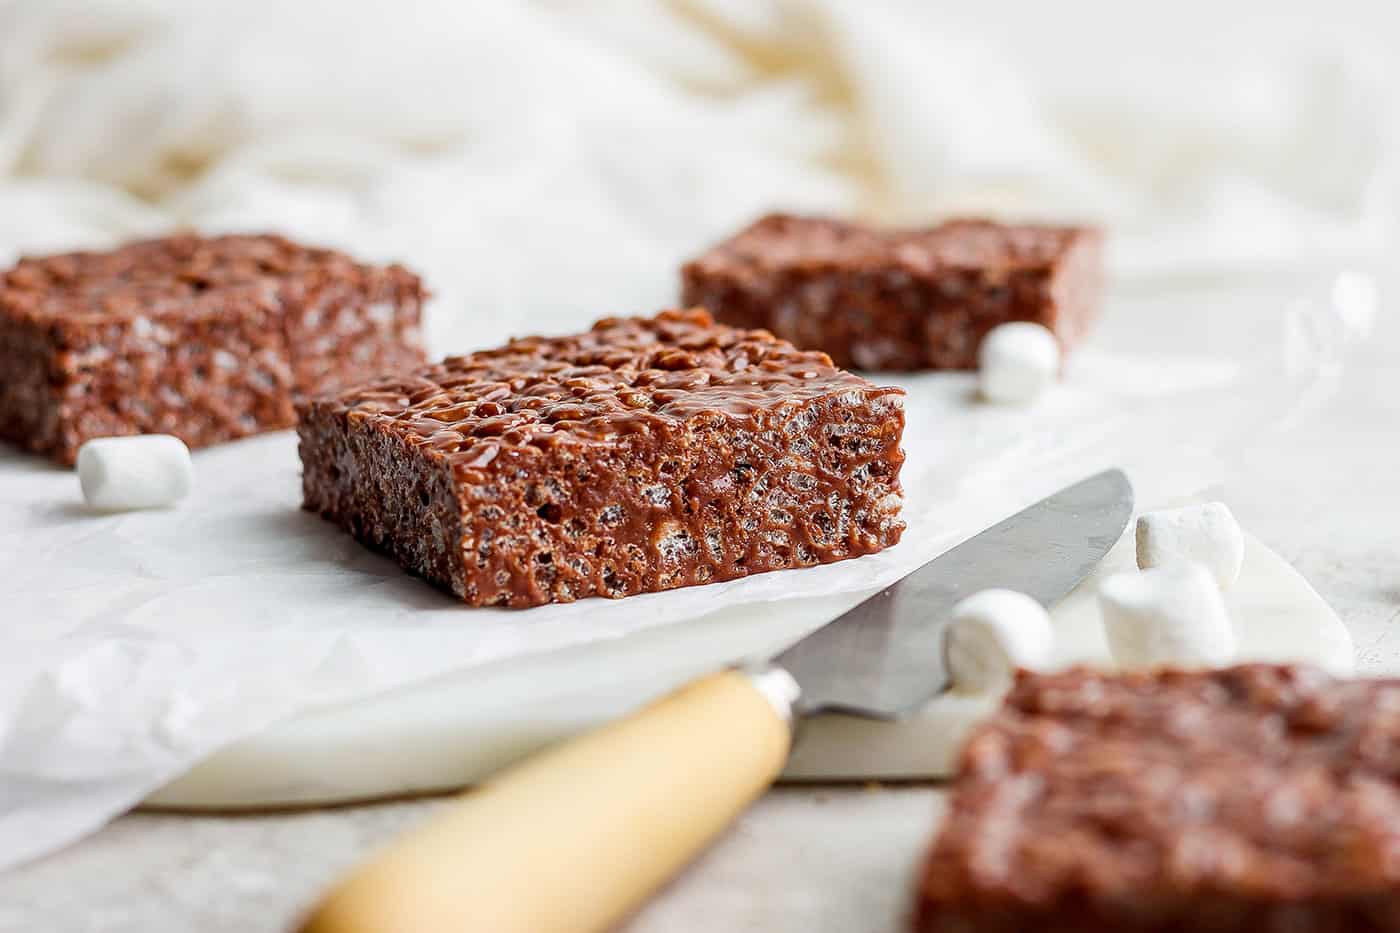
{"type": "Point", "coordinates": [577, 837]}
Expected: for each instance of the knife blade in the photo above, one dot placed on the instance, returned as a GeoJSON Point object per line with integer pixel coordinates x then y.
{"type": "Point", "coordinates": [577, 837]}
{"type": "Point", "coordinates": [884, 658]}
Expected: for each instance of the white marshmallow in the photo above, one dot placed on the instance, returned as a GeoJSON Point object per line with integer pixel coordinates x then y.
{"type": "Point", "coordinates": [1168, 616]}
{"type": "Point", "coordinates": [143, 471]}
{"type": "Point", "coordinates": [1016, 361]}
{"type": "Point", "coordinates": [1206, 534]}
{"type": "Point", "coordinates": [992, 633]}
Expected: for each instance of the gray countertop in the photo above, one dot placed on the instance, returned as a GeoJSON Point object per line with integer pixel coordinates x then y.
{"type": "Point", "coordinates": [1325, 495]}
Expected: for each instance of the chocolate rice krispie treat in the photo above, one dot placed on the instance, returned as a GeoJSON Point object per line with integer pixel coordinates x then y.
{"type": "Point", "coordinates": [1258, 798]}
{"type": "Point", "coordinates": [899, 299]}
{"type": "Point", "coordinates": [208, 339]}
{"type": "Point", "coordinates": [644, 454]}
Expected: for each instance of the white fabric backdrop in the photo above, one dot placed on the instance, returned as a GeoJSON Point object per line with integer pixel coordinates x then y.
{"type": "Point", "coordinates": [544, 163]}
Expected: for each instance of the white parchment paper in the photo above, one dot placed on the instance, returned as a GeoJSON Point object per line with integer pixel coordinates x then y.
{"type": "Point", "coordinates": [133, 645]}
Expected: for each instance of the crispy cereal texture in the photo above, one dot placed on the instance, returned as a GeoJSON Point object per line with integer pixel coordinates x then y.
{"type": "Point", "coordinates": [900, 299]}
{"type": "Point", "coordinates": [1257, 798]}
{"type": "Point", "coordinates": [209, 339]}
{"type": "Point", "coordinates": [645, 454]}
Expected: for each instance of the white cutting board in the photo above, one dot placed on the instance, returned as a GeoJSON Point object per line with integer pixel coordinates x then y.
{"type": "Point", "coordinates": [456, 730]}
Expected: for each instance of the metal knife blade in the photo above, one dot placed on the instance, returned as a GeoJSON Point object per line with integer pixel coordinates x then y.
{"type": "Point", "coordinates": [884, 658]}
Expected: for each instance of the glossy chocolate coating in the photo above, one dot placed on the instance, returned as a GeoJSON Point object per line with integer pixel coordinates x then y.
{"type": "Point", "coordinates": [209, 339]}
{"type": "Point", "coordinates": [642, 455]}
{"type": "Point", "coordinates": [1256, 798]}
{"type": "Point", "coordinates": [899, 299]}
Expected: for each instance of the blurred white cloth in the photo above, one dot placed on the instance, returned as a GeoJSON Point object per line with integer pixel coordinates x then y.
{"type": "Point", "coordinates": [545, 163]}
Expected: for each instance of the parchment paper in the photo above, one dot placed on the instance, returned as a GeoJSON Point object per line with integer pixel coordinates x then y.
{"type": "Point", "coordinates": [132, 645]}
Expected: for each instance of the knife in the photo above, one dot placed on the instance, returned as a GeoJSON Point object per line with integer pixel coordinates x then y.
{"type": "Point", "coordinates": [576, 838]}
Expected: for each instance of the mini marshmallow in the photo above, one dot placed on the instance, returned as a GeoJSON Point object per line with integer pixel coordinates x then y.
{"type": "Point", "coordinates": [992, 633]}
{"type": "Point", "coordinates": [143, 471]}
{"type": "Point", "coordinates": [1016, 361]}
{"type": "Point", "coordinates": [1206, 534]}
{"type": "Point", "coordinates": [1167, 616]}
